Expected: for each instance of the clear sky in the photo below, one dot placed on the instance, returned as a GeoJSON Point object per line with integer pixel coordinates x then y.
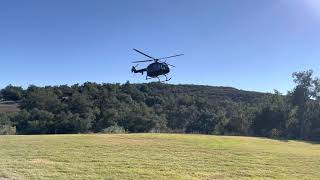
{"type": "Point", "coordinates": [247, 44]}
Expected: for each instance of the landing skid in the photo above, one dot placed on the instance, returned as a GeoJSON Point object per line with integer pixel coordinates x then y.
{"type": "Point", "coordinates": [159, 80]}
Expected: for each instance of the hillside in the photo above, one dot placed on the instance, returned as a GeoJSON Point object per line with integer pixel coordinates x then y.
{"type": "Point", "coordinates": [152, 107]}
{"type": "Point", "coordinates": [210, 93]}
{"type": "Point", "coordinates": [9, 106]}
{"type": "Point", "coordinates": [158, 107]}
{"type": "Point", "coordinates": [156, 156]}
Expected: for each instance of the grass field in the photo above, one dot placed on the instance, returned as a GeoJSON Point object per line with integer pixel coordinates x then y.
{"type": "Point", "coordinates": [156, 156]}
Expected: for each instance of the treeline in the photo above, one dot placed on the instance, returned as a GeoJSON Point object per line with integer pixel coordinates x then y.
{"type": "Point", "coordinates": [157, 107]}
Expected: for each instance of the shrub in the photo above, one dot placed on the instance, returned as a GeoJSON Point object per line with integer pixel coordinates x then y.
{"type": "Point", "coordinates": [275, 133]}
{"type": "Point", "coordinates": [114, 130]}
{"type": "Point", "coordinates": [7, 130]}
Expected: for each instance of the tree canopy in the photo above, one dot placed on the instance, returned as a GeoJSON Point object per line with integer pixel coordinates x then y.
{"type": "Point", "coordinates": [157, 107]}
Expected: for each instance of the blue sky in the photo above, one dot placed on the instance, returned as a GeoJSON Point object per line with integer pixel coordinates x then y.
{"type": "Point", "coordinates": [247, 44]}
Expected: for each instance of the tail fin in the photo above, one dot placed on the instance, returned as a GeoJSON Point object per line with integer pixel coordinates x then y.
{"type": "Point", "coordinates": [133, 69]}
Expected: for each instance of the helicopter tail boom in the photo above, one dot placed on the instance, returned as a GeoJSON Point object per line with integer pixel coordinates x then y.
{"type": "Point", "coordinates": [134, 70]}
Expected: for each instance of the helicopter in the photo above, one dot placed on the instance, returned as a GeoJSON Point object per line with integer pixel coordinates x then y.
{"type": "Point", "coordinates": [155, 69]}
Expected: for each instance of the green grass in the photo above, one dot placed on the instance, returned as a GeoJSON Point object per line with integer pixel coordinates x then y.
{"type": "Point", "coordinates": [156, 156]}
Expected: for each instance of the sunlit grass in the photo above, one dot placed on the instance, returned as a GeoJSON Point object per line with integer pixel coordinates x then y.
{"type": "Point", "coordinates": [156, 156]}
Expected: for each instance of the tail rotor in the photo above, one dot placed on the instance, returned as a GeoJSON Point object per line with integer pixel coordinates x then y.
{"type": "Point", "coordinates": [133, 69]}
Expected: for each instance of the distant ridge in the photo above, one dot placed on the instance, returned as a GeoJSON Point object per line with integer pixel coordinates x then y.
{"type": "Point", "coordinates": [211, 94]}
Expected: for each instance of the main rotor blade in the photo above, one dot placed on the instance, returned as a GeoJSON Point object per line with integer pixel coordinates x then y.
{"type": "Point", "coordinates": [170, 65]}
{"type": "Point", "coordinates": [142, 61]}
{"type": "Point", "coordinates": [144, 54]}
{"type": "Point", "coordinates": [170, 56]}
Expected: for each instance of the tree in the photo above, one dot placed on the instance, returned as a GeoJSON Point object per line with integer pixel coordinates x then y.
{"type": "Point", "coordinates": [204, 123]}
{"type": "Point", "coordinates": [42, 99]}
{"type": "Point", "coordinates": [12, 93]}
{"type": "Point", "coordinates": [80, 103]}
{"type": "Point", "coordinates": [306, 88]}
{"type": "Point", "coordinates": [158, 107]}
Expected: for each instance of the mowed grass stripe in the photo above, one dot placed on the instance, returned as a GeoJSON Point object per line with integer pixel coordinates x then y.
{"type": "Point", "coordinates": [156, 156]}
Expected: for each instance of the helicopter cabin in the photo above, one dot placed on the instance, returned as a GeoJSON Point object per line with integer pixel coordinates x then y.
{"type": "Point", "coordinates": [157, 69]}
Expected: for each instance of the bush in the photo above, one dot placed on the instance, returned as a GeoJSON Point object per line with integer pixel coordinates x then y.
{"type": "Point", "coordinates": [275, 133]}
{"type": "Point", "coordinates": [114, 130]}
{"type": "Point", "coordinates": [7, 130]}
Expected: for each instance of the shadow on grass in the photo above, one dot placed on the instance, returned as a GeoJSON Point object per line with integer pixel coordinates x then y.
{"type": "Point", "coordinates": [288, 140]}
{"type": "Point", "coordinates": [297, 140]}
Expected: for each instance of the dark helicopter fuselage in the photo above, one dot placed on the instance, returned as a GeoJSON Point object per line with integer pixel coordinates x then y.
{"type": "Point", "coordinates": [156, 69]}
